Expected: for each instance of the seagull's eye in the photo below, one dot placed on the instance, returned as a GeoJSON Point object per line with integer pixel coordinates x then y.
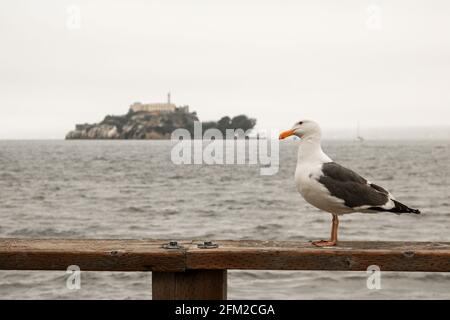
{"type": "Point", "coordinates": [301, 122]}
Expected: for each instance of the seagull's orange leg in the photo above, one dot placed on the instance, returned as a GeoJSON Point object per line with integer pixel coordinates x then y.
{"type": "Point", "coordinates": [334, 232]}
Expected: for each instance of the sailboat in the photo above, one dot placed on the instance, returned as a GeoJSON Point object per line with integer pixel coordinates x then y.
{"type": "Point", "coordinates": [358, 135]}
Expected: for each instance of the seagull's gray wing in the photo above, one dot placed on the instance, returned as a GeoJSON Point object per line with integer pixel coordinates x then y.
{"type": "Point", "coordinates": [353, 189]}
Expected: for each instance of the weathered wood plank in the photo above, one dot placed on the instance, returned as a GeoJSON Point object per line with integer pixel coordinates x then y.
{"type": "Point", "coordinates": [347, 256]}
{"type": "Point", "coordinates": [190, 285]}
{"type": "Point", "coordinates": [89, 255]}
{"type": "Point", "coordinates": [148, 255]}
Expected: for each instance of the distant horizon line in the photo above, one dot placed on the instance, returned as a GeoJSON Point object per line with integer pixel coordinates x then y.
{"type": "Point", "coordinates": [417, 132]}
{"type": "Point", "coordinates": [324, 139]}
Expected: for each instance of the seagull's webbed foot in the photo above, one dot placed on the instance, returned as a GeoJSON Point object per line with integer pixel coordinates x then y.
{"type": "Point", "coordinates": [324, 243]}
{"type": "Point", "coordinates": [333, 240]}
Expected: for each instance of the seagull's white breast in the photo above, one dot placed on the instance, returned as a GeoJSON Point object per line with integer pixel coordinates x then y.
{"type": "Point", "coordinates": [307, 175]}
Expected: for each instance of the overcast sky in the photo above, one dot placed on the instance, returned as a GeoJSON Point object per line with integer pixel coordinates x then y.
{"type": "Point", "coordinates": [382, 63]}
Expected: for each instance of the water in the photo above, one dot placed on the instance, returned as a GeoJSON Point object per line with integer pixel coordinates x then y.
{"type": "Point", "coordinates": [131, 189]}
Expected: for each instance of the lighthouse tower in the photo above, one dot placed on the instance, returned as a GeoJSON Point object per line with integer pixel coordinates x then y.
{"type": "Point", "coordinates": [168, 97]}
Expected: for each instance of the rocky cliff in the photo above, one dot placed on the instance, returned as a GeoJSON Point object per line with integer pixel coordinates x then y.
{"type": "Point", "coordinates": [136, 125]}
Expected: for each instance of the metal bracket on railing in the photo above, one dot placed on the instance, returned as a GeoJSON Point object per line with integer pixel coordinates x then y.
{"type": "Point", "coordinates": [207, 245]}
{"type": "Point", "coordinates": [172, 245]}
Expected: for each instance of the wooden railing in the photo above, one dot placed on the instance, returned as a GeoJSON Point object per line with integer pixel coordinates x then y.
{"type": "Point", "coordinates": [192, 270]}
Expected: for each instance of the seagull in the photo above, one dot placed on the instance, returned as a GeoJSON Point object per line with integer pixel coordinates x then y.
{"type": "Point", "coordinates": [333, 188]}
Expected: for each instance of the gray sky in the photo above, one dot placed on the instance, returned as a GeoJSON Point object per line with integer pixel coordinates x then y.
{"type": "Point", "coordinates": [382, 63]}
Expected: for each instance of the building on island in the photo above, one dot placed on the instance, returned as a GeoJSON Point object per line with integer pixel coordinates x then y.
{"type": "Point", "coordinates": [160, 107]}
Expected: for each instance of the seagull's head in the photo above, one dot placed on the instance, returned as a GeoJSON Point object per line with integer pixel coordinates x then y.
{"type": "Point", "coordinates": [303, 129]}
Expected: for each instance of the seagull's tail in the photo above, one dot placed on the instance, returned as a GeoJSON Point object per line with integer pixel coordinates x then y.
{"type": "Point", "coordinates": [398, 208]}
{"type": "Point", "coordinates": [401, 208]}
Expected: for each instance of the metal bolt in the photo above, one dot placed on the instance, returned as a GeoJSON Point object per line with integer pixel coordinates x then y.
{"type": "Point", "coordinates": [409, 254]}
{"type": "Point", "coordinates": [207, 245]}
{"type": "Point", "coordinates": [172, 245]}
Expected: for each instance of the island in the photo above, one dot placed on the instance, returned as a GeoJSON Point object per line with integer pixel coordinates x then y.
{"type": "Point", "coordinates": [154, 121]}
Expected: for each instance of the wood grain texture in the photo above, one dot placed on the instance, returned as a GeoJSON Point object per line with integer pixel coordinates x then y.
{"type": "Point", "coordinates": [190, 285]}
{"type": "Point", "coordinates": [89, 255]}
{"type": "Point", "coordinates": [148, 255]}
{"type": "Point", "coordinates": [347, 256]}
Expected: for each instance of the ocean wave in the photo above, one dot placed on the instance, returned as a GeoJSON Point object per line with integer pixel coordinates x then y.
{"type": "Point", "coordinates": [133, 209]}
{"type": "Point", "coordinates": [99, 158]}
{"type": "Point", "coordinates": [47, 232]}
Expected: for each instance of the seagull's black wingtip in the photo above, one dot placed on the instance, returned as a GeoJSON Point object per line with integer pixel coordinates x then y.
{"type": "Point", "coordinates": [401, 208]}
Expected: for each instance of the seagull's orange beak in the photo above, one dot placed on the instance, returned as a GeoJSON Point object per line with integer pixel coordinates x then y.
{"type": "Point", "coordinates": [286, 134]}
